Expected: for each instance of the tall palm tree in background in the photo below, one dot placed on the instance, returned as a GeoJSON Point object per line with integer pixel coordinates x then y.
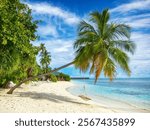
{"type": "Point", "coordinates": [100, 46]}
{"type": "Point", "coordinates": [103, 46]}
{"type": "Point", "coordinates": [45, 58]}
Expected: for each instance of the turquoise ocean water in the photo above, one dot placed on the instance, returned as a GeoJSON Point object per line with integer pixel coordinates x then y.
{"type": "Point", "coordinates": [131, 91]}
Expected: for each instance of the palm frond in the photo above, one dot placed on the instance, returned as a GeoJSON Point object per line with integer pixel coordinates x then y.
{"type": "Point", "coordinates": [100, 63]}
{"type": "Point", "coordinates": [84, 26]}
{"type": "Point", "coordinates": [126, 45]}
{"type": "Point", "coordinates": [83, 58]}
{"type": "Point", "coordinates": [110, 69]}
{"type": "Point", "coordinates": [82, 41]}
{"type": "Point", "coordinates": [122, 30]}
{"type": "Point", "coordinates": [121, 58]}
{"type": "Point", "coordinates": [100, 20]}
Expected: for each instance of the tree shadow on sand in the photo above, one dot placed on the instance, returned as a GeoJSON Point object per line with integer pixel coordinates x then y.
{"type": "Point", "coordinates": [1, 89]}
{"type": "Point", "coordinates": [49, 96]}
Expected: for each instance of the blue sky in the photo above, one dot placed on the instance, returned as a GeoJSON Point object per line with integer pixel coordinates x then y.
{"type": "Point", "coordinates": [61, 17]}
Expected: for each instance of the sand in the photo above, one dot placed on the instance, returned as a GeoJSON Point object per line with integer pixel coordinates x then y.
{"type": "Point", "coordinates": [45, 97]}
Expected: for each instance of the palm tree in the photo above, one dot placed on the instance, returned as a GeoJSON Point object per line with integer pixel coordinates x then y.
{"type": "Point", "coordinates": [100, 45]}
{"type": "Point", "coordinates": [45, 58]}
{"type": "Point", "coordinates": [103, 46]}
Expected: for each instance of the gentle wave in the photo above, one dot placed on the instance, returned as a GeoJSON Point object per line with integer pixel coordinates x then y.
{"type": "Point", "coordinates": [132, 91]}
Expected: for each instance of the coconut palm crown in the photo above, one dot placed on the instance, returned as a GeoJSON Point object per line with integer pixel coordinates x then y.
{"type": "Point", "coordinates": [103, 46]}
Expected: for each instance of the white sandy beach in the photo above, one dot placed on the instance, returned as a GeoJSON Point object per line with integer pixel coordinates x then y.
{"type": "Point", "coordinates": [42, 97]}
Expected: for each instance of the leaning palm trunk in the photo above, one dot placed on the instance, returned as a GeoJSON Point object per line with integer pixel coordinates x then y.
{"type": "Point", "coordinates": [38, 76]}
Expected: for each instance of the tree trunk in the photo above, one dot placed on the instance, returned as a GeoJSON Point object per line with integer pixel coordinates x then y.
{"type": "Point", "coordinates": [6, 84]}
{"type": "Point", "coordinates": [38, 76]}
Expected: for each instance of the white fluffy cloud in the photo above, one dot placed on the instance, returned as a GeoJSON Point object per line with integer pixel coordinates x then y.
{"type": "Point", "coordinates": [135, 21]}
{"type": "Point", "coordinates": [47, 30]}
{"type": "Point", "coordinates": [48, 9]}
{"type": "Point", "coordinates": [142, 41]}
{"type": "Point", "coordinates": [132, 6]}
{"type": "Point", "coordinates": [132, 14]}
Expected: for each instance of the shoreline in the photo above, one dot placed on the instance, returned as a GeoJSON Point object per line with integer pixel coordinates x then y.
{"type": "Point", "coordinates": [43, 97]}
{"type": "Point", "coordinates": [105, 101]}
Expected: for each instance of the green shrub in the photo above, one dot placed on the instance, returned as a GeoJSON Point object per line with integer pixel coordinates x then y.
{"type": "Point", "coordinates": [63, 76]}
{"type": "Point", "coordinates": [53, 78]}
{"type": "Point", "coordinates": [67, 78]}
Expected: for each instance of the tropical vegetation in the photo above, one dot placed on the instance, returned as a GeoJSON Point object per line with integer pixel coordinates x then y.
{"type": "Point", "coordinates": [63, 77]}
{"type": "Point", "coordinates": [101, 46]}
{"type": "Point", "coordinates": [17, 30]}
{"type": "Point", "coordinates": [53, 78]}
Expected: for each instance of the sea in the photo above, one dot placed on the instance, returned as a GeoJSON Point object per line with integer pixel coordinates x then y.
{"type": "Point", "coordinates": [133, 91]}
